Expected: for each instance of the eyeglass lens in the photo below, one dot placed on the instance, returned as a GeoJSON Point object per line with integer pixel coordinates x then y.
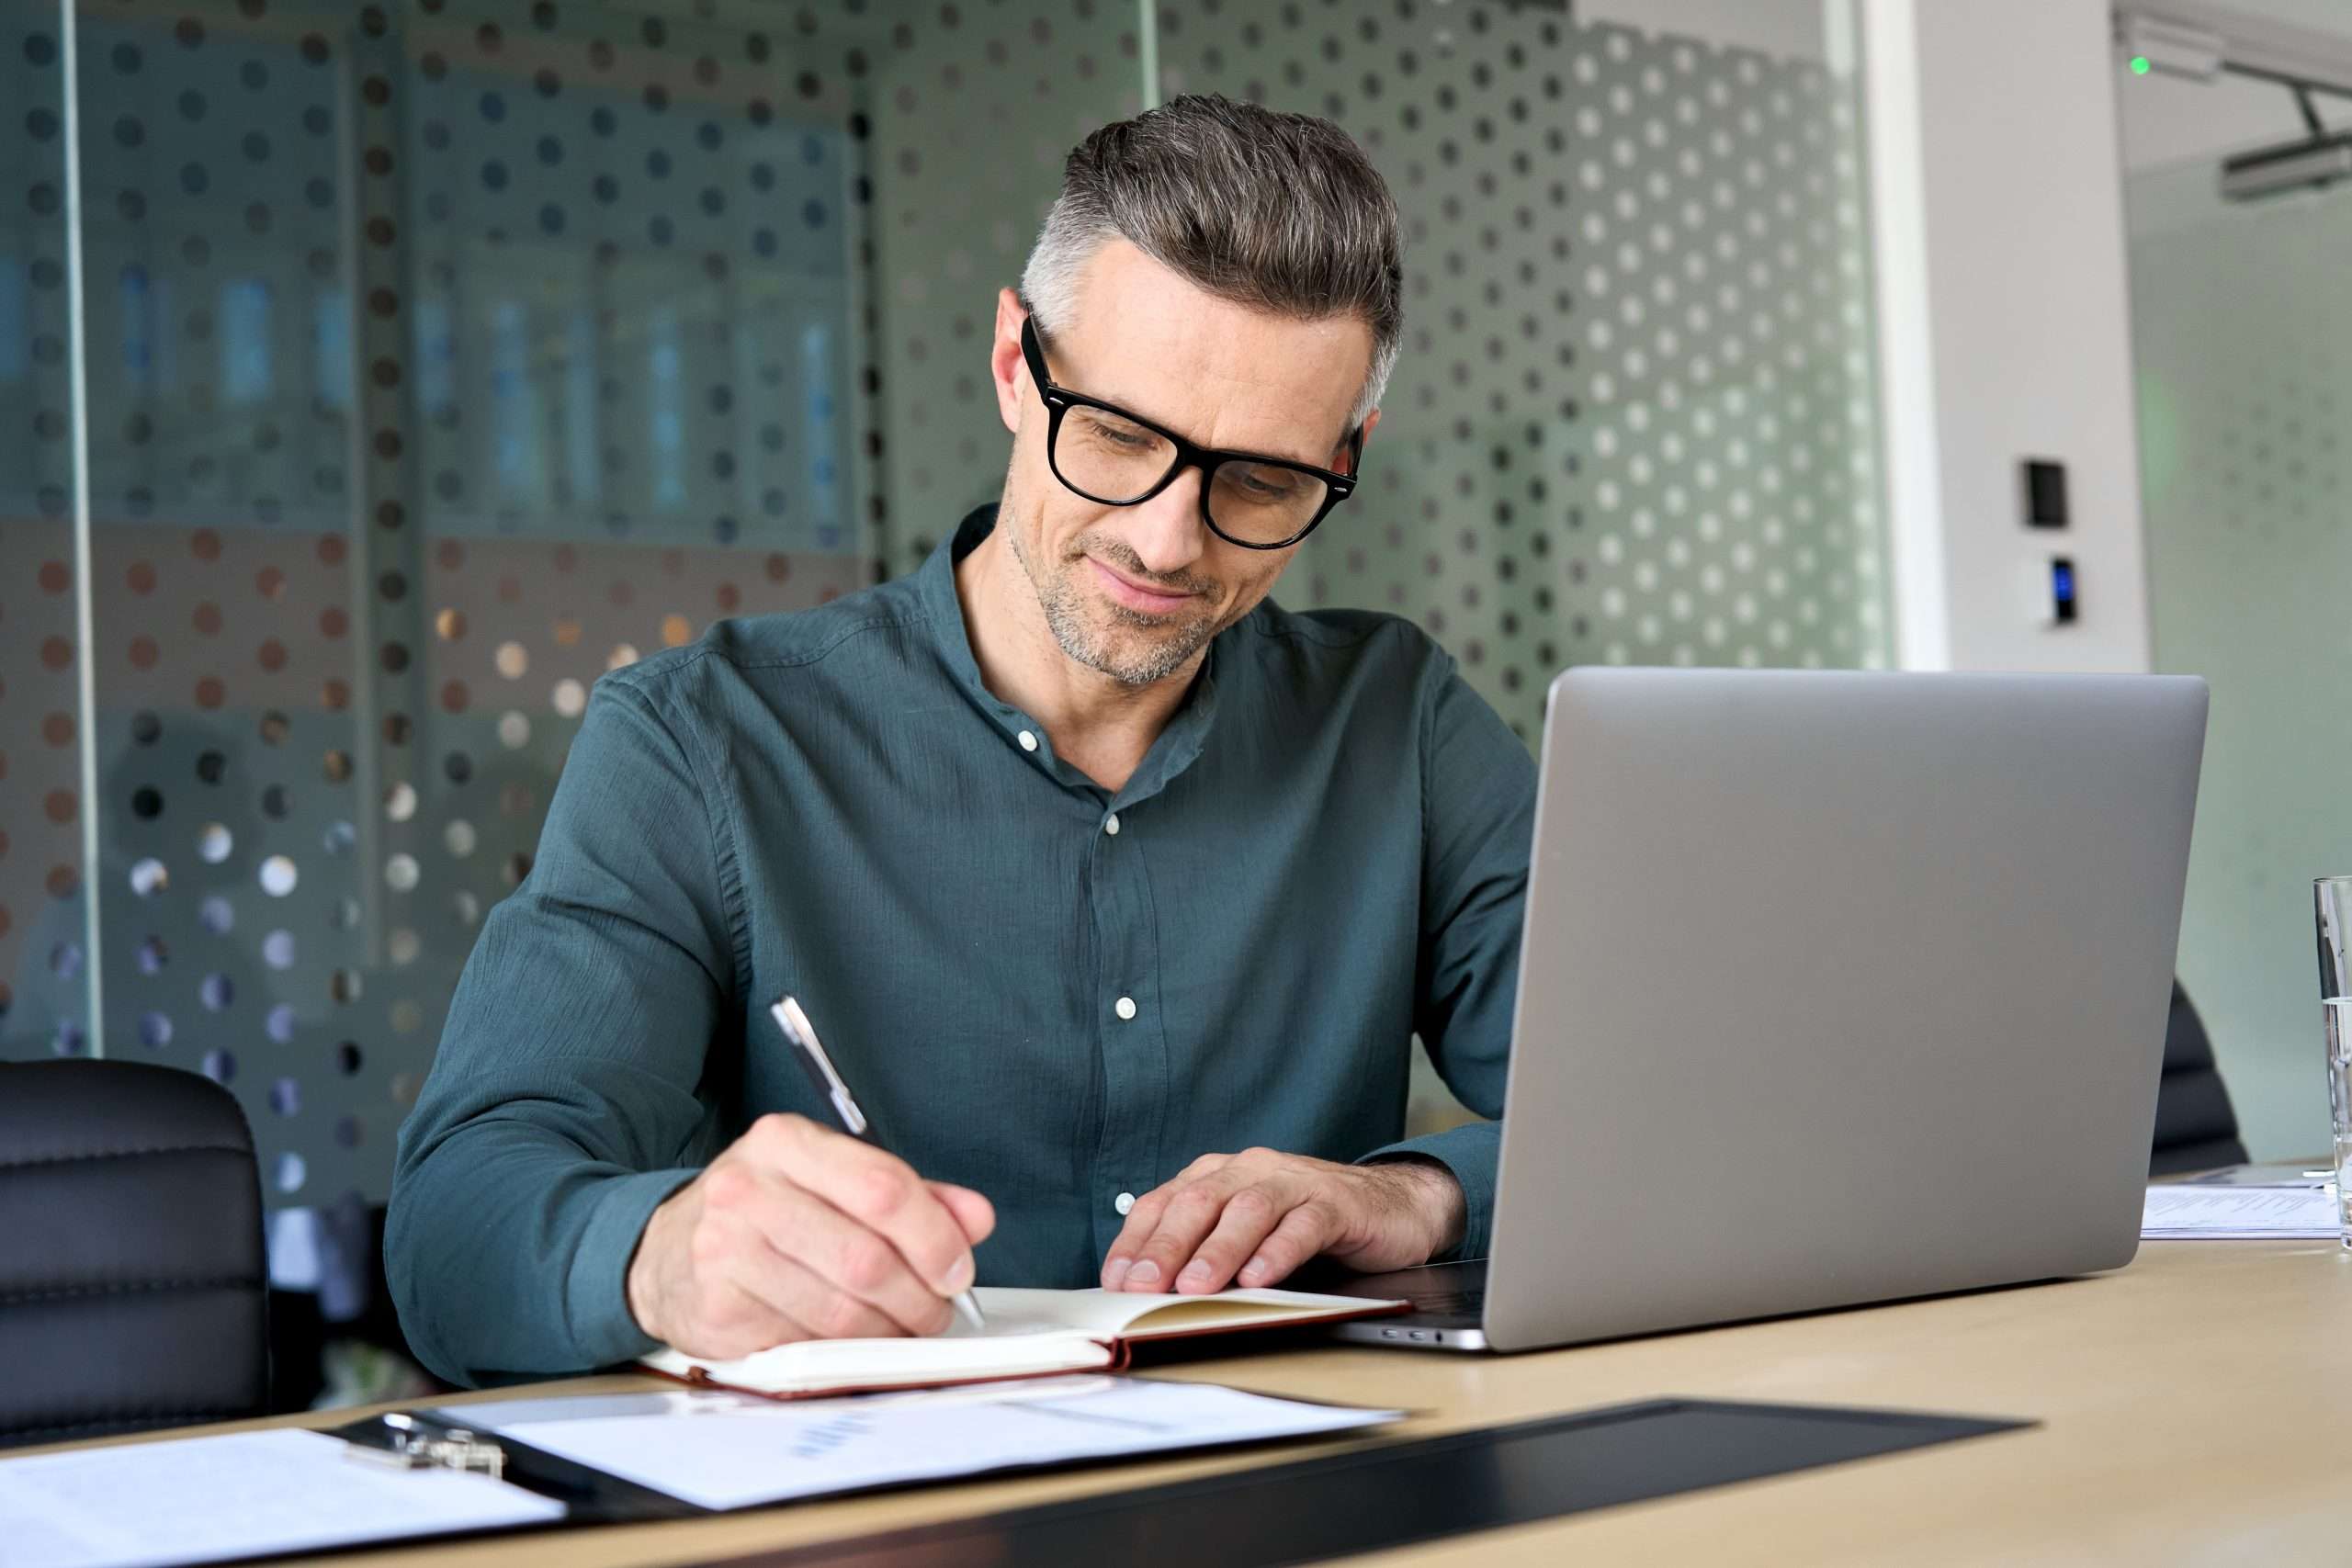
{"type": "Point", "coordinates": [1115, 460]}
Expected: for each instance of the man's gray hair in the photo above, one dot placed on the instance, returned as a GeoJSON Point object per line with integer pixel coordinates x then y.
{"type": "Point", "coordinates": [1280, 212]}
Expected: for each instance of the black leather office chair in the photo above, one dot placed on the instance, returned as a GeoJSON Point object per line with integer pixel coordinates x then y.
{"type": "Point", "coordinates": [2196, 1129]}
{"type": "Point", "coordinates": [132, 1280]}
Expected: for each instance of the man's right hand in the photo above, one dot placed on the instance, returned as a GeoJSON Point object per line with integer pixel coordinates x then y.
{"type": "Point", "coordinates": [798, 1232]}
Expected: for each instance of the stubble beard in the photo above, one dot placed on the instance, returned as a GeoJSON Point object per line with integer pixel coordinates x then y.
{"type": "Point", "coordinates": [1166, 643]}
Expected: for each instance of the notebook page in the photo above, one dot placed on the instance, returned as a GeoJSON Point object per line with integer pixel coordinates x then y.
{"type": "Point", "coordinates": [1028, 1332]}
{"type": "Point", "coordinates": [812, 1365]}
{"type": "Point", "coordinates": [1139, 1315]}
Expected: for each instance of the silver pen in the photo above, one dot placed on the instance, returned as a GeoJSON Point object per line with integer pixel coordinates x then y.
{"type": "Point", "coordinates": [828, 1080]}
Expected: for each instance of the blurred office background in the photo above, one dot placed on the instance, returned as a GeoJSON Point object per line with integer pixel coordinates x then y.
{"type": "Point", "coordinates": [2244, 391]}
{"type": "Point", "coordinates": [375, 377]}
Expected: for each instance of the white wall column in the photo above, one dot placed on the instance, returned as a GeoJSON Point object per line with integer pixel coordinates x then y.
{"type": "Point", "coordinates": [2004, 328]}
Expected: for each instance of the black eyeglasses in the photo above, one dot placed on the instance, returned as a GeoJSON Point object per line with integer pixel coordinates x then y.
{"type": "Point", "coordinates": [1110, 456]}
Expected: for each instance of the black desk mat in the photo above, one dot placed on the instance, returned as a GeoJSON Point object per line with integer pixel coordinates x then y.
{"type": "Point", "coordinates": [1396, 1493]}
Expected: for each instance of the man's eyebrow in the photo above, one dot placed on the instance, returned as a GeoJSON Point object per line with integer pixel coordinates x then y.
{"type": "Point", "coordinates": [1046, 344]}
{"type": "Point", "coordinates": [1135, 411]}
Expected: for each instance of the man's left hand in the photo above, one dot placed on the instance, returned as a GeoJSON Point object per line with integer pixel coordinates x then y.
{"type": "Point", "coordinates": [1249, 1219]}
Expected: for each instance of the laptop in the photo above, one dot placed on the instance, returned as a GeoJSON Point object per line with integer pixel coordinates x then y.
{"type": "Point", "coordinates": [1835, 987]}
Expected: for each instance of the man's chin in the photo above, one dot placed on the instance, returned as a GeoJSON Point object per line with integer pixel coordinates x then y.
{"type": "Point", "coordinates": [1141, 655]}
{"type": "Point", "coordinates": [1135, 648]}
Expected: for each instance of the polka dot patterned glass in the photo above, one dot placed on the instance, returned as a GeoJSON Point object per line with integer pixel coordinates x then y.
{"type": "Point", "coordinates": [442, 355]}
{"type": "Point", "coordinates": [44, 1005]}
{"type": "Point", "coordinates": [1634, 421]}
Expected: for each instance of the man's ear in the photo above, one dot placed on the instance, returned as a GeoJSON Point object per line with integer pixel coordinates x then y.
{"type": "Point", "coordinates": [1006, 367]}
{"type": "Point", "coordinates": [1371, 422]}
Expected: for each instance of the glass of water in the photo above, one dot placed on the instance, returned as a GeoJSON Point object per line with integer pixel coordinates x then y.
{"type": "Point", "coordinates": [2333, 897]}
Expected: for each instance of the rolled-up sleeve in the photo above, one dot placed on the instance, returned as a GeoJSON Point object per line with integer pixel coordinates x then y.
{"type": "Point", "coordinates": [1478, 808]}
{"type": "Point", "coordinates": [563, 1106]}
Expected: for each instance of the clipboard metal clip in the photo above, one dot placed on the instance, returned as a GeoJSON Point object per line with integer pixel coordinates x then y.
{"type": "Point", "coordinates": [408, 1442]}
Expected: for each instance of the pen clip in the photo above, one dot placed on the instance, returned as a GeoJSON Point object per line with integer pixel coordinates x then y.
{"type": "Point", "coordinates": [801, 1032]}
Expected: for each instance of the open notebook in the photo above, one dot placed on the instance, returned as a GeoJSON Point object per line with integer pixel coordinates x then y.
{"type": "Point", "coordinates": [1030, 1334]}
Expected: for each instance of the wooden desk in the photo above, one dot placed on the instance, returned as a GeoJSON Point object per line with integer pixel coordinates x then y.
{"type": "Point", "coordinates": [2198, 1405]}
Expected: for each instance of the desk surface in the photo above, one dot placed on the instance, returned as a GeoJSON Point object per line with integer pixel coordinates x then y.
{"type": "Point", "coordinates": [2197, 1404]}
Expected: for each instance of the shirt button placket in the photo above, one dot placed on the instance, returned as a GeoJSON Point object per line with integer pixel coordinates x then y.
{"type": "Point", "coordinates": [1132, 1049]}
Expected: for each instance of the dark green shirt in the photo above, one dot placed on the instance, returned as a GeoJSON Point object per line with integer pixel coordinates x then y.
{"type": "Point", "coordinates": [1041, 990]}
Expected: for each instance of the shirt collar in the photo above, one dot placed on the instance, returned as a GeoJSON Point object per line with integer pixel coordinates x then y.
{"type": "Point", "coordinates": [1174, 751]}
{"type": "Point", "coordinates": [936, 585]}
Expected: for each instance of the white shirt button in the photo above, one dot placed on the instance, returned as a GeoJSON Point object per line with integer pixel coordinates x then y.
{"type": "Point", "coordinates": [1111, 824]}
{"type": "Point", "coordinates": [1125, 1007]}
{"type": "Point", "coordinates": [1124, 1201]}
{"type": "Point", "coordinates": [1028, 742]}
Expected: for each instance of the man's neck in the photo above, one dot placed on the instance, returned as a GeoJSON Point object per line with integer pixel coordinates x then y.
{"type": "Point", "coordinates": [1099, 726]}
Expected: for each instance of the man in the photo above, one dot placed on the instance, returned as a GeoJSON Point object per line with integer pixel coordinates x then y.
{"type": "Point", "coordinates": [1115, 891]}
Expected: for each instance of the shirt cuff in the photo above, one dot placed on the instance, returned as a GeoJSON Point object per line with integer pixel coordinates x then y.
{"type": "Point", "coordinates": [596, 1291]}
{"type": "Point", "coordinates": [1469, 1152]}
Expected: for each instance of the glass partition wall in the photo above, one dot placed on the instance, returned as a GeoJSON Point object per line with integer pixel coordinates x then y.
{"type": "Point", "coordinates": [2244, 369]}
{"type": "Point", "coordinates": [46, 953]}
{"type": "Point", "coordinates": [431, 357]}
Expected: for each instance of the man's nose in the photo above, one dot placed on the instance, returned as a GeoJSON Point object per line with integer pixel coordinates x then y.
{"type": "Point", "coordinates": [1166, 532]}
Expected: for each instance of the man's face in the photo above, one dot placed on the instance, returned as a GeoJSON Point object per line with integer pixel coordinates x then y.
{"type": "Point", "coordinates": [1136, 592]}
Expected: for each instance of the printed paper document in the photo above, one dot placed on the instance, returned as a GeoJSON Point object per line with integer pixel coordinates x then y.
{"type": "Point", "coordinates": [203, 1499]}
{"type": "Point", "coordinates": [2222, 1213]}
{"type": "Point", "coordinates": [729, 1451]}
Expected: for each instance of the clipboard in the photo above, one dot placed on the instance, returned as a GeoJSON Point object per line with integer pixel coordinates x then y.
{"type": "Point", "coordinates": [425, 1439]}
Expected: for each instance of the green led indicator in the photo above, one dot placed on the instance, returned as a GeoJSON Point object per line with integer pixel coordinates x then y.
{"type": "Point", "coordinates": [2140, 65]}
